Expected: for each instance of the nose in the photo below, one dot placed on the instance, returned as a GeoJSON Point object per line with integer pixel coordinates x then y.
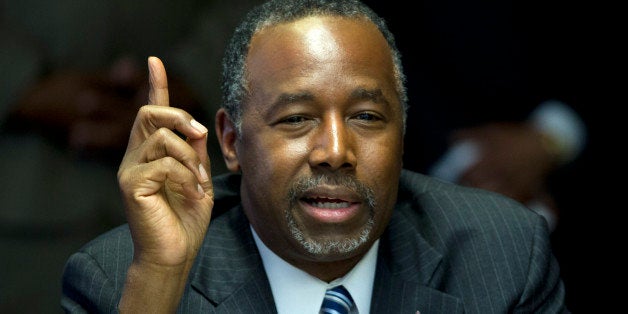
{"type": "Point", "coordinates": [334, 146]}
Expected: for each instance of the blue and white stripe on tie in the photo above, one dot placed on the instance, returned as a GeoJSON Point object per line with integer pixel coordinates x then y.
{"type": "Point", "coordinates": [337, 301]}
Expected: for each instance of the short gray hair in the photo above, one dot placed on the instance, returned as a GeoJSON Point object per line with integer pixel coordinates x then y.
{"type": "Point", "coordinates": [234, 83]}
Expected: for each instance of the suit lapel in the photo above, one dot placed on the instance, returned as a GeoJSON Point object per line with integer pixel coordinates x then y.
{"type": "Point", "coordinates": [395, 294]}
{"type": "Point", "coordinates": [406, 266]}
{"type": "Point", "coordinates": [229, 270]}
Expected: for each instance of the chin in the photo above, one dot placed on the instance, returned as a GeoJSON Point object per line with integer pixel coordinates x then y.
{"type": "Point", "coordinates": [336, 245]}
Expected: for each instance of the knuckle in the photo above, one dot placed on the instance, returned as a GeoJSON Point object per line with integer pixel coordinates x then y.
{"type": "Point", "coordinates": [144, 110]}
{"type": "Point", "coordinates": [126, 180]}
{"type": "Point", "coordinates": [163, 134]}
{"type": "Point", "coordinates": [121, 175]}
{"type": "Point", "coordinates": [169, 162]}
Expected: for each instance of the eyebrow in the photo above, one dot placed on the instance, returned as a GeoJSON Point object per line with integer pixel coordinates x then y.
{"type": "Point", "coordinates": [376, 95]}
{"type": "Point", "coordinates": [288, 98]}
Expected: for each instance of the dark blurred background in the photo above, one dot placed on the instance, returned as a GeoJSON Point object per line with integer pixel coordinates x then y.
{"type": "Point", "coordinates": [473, 62]}
{"type": "Point", "coordinates": [73, 74]}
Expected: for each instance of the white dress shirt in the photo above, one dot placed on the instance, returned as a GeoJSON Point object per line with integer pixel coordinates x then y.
{"type": "Point", "coordinates": [296, 291]}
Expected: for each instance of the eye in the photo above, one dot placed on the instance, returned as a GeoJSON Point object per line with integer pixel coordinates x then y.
{"type": "Point", "coordinates": [293, 120]}
{"type": "Point", "coordinates": [367, 116]}
{"type": "Point", "coordinates": [294, 125]}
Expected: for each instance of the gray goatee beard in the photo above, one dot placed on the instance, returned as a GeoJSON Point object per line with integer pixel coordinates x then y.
{"type": "Point", "coordinates": [325, 247]}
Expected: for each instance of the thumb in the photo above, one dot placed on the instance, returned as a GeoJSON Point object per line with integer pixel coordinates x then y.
{"type": "Point", "coordinates": [158, 91]}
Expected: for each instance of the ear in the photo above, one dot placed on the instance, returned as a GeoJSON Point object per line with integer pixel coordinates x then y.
{"type": "Point", "coordinates": [227, 136]}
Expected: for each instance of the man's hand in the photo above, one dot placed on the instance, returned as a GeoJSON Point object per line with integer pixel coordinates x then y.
{"type": "Point", "coordinates": [168, 195]}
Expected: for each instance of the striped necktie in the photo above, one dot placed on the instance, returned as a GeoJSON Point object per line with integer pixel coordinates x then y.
{"type": "Point", "coordinates": [337, 301]}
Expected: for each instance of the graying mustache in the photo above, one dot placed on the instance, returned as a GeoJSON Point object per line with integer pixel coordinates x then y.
{"type": "Point", "coordinates": [304, 184]}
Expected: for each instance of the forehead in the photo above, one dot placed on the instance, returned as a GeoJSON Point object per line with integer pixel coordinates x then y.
{"type": "Point", "coordinates": [320, 32]}
{"type": "Point", "coordinates": [319, 44]}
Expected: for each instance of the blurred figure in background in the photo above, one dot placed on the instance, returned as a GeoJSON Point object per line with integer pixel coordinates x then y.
{"type": "Point", "coordinates": [73, 76]}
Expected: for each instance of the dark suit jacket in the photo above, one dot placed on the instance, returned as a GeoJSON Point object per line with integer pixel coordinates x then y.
{"type": "Point", "coordinates": [448, 249]}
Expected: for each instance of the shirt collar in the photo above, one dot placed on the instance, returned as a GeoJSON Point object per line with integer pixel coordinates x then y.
{"type": "Point", "coordinates": [303, 293]}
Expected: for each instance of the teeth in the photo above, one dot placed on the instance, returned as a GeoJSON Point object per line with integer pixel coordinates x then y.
{"type": "Point", "coordinates": [330, 205]}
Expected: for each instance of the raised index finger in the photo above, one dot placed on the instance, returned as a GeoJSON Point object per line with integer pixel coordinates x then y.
{"type": "Point", "coordinates": [158, 92]}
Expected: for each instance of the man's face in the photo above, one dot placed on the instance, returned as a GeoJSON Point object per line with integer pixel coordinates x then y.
{"type": "Point", "coordinates": [321, 142]}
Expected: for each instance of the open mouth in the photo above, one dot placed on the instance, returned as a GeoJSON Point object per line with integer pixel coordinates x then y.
{"type": "Point", "coordinates": [330, 209]}
{"type": "Point", "coordinates": [331, 201]}
{"type": "Point", "coordinates": [326, 203]}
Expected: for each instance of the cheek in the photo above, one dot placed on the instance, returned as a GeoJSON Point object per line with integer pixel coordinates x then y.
{"type": "Point", "coordinates": [379, 166]}
{"type": "Point", "coordinates": [273, 158]}
{"type": "Point", "coordinates": [269, 166]}
{"type": "Point", "coordinates": [381, 154]}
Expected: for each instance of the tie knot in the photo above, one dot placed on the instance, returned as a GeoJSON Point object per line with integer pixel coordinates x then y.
{"type": "Point", "coordinates": [337, 301]}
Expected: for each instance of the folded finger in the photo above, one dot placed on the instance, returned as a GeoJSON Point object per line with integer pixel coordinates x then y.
{"type": "Point", "coordinates": [148, 179]}
{"type": "Point", "coordinates": [165, 143]}
{"type": "Point", "coordinates": [150, 118]}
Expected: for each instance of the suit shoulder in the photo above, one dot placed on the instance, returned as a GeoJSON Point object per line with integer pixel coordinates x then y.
{"type": "Point", "coordinates": [435, 194]}
{"type": "Point", "coordinates": [448, 206]}
{"type": "Point", "coordinates": [93, 277]}
{"type": "Point", "coordinates": [474, 238]}
{"type": "Point", "coordinates": [111, 251]}
{"type": "Point", "coordinates": [118, 237]}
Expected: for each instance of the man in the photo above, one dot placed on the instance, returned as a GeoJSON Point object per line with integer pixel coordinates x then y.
{"type": "Point", "coordinates": [312, 127]}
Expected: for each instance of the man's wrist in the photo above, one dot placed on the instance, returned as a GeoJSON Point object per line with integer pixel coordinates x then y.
{"type": "Point", "coordinates": [151, 288]}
